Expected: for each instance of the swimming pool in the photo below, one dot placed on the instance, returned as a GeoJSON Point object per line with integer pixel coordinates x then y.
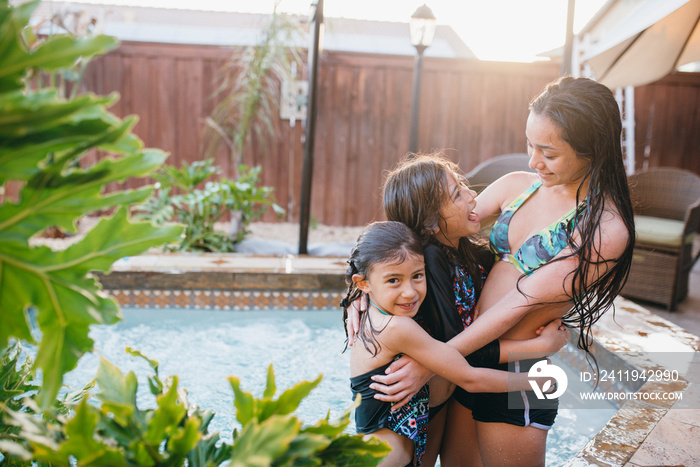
{"type": "Point", "coordinates": [203, 347]}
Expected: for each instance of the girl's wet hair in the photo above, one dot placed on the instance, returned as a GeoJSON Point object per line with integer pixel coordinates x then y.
{"type": "Point", "coordinates": [588, 118]}
{"type": "Point", "coordinates": [379, 242]}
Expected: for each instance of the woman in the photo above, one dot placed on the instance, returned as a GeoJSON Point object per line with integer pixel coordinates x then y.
{"type": "Point", "coordinates": [563, 244]}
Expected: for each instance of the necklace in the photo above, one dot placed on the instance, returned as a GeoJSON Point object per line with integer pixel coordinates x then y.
{"type": "Point", "coordinates": [380, 310]}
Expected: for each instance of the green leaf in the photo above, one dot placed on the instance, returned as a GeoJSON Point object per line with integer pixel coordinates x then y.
{"type": "Point", "coordinates": [56, 53]}
{"type": "Point", "coordinates": [184, 439]}
{"type": "Point", "coordinates": [12, 22]}
{"type": "Point", "coordinates": [55, 199]}
{"type": "Point", "coordinates": [166, 417]}
{"type": "Point", "coordinates": [306, 445]}
{"type": "Point", "coordinates": [117, 392]}
{"type": "Point", "coordinates": [15, 378]}
{"type": "Point", "coordinates": [288, 401]}
{"type": "Point", "coordinates": [270, 387]}
{"type": "Point", "coordinates": [260, 444]}
{"type": "Point", "coordinates": [355, 451]}
{"type": "Point", "coordinates": [154, 382]}
{"type": "Point", "coordinates": [209, 452]}
{"type": "Point", "coordinates": [243, 401]}
{"type": "Point", "coordinates": [56, 283]}
{"type": "Point", "coordinates": [82, 443]}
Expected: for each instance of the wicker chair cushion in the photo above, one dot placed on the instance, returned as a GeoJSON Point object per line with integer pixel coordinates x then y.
{"type": "Point", "coordinates": [659, 231]}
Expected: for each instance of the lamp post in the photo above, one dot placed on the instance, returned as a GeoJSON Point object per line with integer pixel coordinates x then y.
{"type": "Point", "coordinates": [422, 26]}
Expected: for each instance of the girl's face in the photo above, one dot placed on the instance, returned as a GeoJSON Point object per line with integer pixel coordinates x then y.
{"type": "Point", "coordinates": [397, 288]}
{"type": "Point", "coordinates": [457, 216]}
{"type": "Point", "coordinates": [554, 159]}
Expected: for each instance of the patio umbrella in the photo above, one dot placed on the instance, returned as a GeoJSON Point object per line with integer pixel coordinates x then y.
{"type": "Point", "coordinates": [658, 37]}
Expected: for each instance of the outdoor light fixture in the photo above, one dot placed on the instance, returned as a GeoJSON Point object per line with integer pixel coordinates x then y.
{"type": "Point", "coordinates": [422, 26]}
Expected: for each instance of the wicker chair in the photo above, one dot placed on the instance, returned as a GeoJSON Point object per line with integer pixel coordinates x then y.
{"type": "Point", "coordinates": [667, 213]}
{"type": "Point", "coordinates": [491, 169]}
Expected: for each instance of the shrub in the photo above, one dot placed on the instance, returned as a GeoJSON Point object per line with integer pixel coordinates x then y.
{"type": "Point", "coordinates": [199, 209]}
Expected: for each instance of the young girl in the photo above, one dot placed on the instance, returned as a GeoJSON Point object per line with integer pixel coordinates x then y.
{"type": "Point", "coordinates": [387, 265]}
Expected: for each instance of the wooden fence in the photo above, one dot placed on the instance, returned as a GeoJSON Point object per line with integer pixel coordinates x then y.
{"type": "Point", "coordinates": [472, 110]}
{"type": "Point", "coordinates": [667, 123]}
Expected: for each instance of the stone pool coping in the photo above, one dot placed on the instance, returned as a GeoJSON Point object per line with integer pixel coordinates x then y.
{"type": "Point", "coordinates": [227, 281]}
{"type": "Point", "coordinates": [640, 433]}
{"type": "Point", "coordinates": [644, 433]}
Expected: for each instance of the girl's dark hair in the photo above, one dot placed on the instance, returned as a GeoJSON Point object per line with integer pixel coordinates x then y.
{"type": "Point", "coordinates": [588, 118]}
{"type": "Point", "coordinates": [379, 242]}
{"type": "Point", "coordinates": [413, 194]}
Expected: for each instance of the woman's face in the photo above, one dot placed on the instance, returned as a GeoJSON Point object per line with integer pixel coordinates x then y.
{"type": "Point", "coordinates": [554, 159]}
{"type": "Point", "coordinates": [457, 216]}
{"type": "Point", "coordinates": [396, 287]}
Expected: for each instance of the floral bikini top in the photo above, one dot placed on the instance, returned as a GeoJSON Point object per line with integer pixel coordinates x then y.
{"type": "Point", "coordinates": [539, 249]}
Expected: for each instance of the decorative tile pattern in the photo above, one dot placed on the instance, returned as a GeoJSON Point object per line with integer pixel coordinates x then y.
{"type": "Point", "coordinates": [227, 300]}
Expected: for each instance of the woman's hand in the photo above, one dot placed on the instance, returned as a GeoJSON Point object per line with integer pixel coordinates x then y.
{"type": "Point", "coordinates": [552, 337]}
{"type": "Point", "coordinates": [352, 322]}
{"type": "Point", "coordinates": [403, 380]}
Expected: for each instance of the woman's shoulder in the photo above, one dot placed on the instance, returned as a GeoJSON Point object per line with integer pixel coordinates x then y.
{"type": "Point", "coordinates": [505, 189]}
{"type": "Point", "coordinates": [521, 178]}
{"type": "Point", "coordinates": [514, 183]}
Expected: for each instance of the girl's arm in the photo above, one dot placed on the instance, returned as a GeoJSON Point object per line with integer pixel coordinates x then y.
{"type": "Point", "coordinates": [406, 336]}
{"type": "Point", "coordinates": [402, 376]}
{"type": "Point", "coordinates": [545, 290]}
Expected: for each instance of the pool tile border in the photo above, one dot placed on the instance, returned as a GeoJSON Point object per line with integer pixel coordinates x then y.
{"type": "Point", "coordinates": [212, 299]}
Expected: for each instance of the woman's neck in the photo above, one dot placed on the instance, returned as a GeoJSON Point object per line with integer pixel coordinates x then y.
{"type": "Point", "coordinates": [571, 190]}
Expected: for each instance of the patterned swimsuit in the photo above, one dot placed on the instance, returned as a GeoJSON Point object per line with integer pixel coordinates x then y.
{"type": "Point", "coordinates": [411, 420]}
{"type": "Point", "coordinates": [539, 249]}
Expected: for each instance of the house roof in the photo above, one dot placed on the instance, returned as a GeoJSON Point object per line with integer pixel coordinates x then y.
{"type": "Point", "coordinates": [188, 26]}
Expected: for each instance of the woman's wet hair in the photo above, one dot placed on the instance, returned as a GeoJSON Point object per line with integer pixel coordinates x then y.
{"type": "Point", "coordinates": [413, 194]}
{"type": "Point", "coordinates": [384, 242]}
{"type": "Point", "coordinates": [588, 118]}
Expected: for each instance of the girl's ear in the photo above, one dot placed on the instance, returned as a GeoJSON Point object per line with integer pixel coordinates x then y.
{"type": "Point", "coordinates": [360, 282]}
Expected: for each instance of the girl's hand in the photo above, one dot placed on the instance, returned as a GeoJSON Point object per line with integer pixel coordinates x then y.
{"type": "Point", "coordinates": [352, 322]}
{"type": "Point", "coordinates": [403, 380]}
{"type": "Point", "coordinates": [552, 337]}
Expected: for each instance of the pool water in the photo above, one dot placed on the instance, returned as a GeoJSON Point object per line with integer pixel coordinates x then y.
{"type": "Point", "coordinates": [204, 347]}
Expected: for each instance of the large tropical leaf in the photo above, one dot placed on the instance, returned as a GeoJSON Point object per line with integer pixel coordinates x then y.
{"type": "Point", "coordinates": [54, 54]}
{"type": "Point", "coordinates": [57, 284]}
{"type": "Point", "coordinates": [51, 294]}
